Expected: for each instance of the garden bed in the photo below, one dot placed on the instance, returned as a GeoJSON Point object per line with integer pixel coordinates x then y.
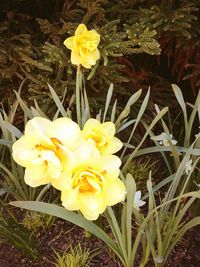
{"type": "Point", "coordinates": [57, 238]}
{"type": "Point", "coordinates": [95, 171]}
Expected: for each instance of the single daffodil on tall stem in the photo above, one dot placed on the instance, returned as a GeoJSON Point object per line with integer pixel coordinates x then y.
{"type": "Point", "coordinates": [84, 47]}
{"type": "Point", "coordinates": [84, 52]}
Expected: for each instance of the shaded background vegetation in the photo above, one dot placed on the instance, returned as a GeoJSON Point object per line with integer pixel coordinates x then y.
{"type": "Point", "coordinates": [143, 43]}
{"type": "Point", "coordinates": [32, 35]}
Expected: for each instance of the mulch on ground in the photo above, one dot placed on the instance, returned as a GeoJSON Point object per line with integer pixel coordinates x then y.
{"type": "Point", "coordinates": [61, 233]}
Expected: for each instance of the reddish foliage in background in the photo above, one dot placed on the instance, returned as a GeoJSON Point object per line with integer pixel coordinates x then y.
{"type": "Point", "coordinates": [180, 58]}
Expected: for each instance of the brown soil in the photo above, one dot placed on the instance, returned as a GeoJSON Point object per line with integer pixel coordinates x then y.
{"type": "Point", "coordinates": [58, 236]}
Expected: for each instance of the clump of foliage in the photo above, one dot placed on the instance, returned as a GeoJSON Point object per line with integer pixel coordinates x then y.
{"type": "Point", "coordinates": [73, 256]}
{"type": "Point", "coordinates": [35, 221]}
{"type": "Point", "coordinates": [16, 234]}
{"type": "Point", "coordinates": [140, 169]}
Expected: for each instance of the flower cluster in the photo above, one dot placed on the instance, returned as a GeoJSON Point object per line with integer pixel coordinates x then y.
{"type": "Point", "coordinates": [79, 163]}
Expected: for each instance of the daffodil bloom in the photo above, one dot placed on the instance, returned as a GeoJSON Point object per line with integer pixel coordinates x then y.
{"type": "Point", "coordinates": [84, 47]}
{"type": "Point", "coordinates": [94, 183]}
{"type": "Point", "coordinates": [46, 150]}
{"type": "Point", "coordinates": [102, 136]}
{"type": "Point", "coordinates": [164, 139]}
{"type": "Point", "coordinates": [137, 200]}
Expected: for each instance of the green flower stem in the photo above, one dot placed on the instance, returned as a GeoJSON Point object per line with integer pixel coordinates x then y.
{"type": "Point", "coordinates": [78, 93]}
{"type": "Point", "coordinates": [42, 192]}
{"type": "Point", "coordinates": [110, 216]}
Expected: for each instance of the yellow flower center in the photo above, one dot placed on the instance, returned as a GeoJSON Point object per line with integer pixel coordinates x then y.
{"type": "Point", "coordinates": [99, 138]}
{"type": "Point", "coordinates": [90, 45]}
{"type": "Point", "coordinates": [55, 141]}
{"type": "Point", "coordinates": [85, 43]}
{"type": "Point", "coordinates": [89, 181]}
{"type": "Point", "coordinates": [53, 147]}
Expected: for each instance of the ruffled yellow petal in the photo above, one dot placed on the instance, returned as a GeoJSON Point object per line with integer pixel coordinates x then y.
{"type": "Point", "coordinates": [53, 164]}
{"type": "Point", "coordinates": [109, 128]}
{"type": "Point", "coordinates": [87, 155]}
{"type": "Point", "coordinates": [90, 124]}
{"type": "Point", "coordinates": [63, 183]}
{"type": "Point", "coordinates": [91, 206]}
{"type": "Point", "coordinates": [36, 176]}
{"type": "Point", "coordinates": [70, 199]}
{"type": "Point", "coordinates": [75, 58]}
{"type": "Point", "coordinates": [96, 55]}
{"type": "Point", "coordinates": [93, 57]}
{"type": "Point", "coordinates": [67, 157]}
{"type": "Point", "coordinates": [69, 42]}
{"type": "Point", "coordinates": [84, 53]}
{"type": "Point", "coordinates": [110, 163]}
{"type": "Point", "coordinates": [114, 146]}
{"type": "Point", "coordinates": [80, 29]}
{"type": "Point", "coordinates": [23, 152]}
{"type": "Point", "coordinates": [85, 64]}
{"type": "Point", "coordinates": [94, 36]}
{"type": "Point", "coordinates": [65, 131]}
{"type": "Point", "coordinates": [115, 192]}
{"type": "Point", "coordinates": [36, 138]}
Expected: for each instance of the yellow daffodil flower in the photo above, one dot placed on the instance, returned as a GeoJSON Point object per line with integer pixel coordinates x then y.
{"type": "Point", "coordinates": [46, 150]}
{"type": "Point", "coordinates": [94, 183]}
{"type": "Point", "coordinates": [84, 47]}
{"type": "Point", "coordinates": [102, 135]}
